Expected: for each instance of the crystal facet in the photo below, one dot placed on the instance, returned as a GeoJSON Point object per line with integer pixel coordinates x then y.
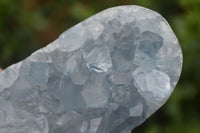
{"type": "Point", "coordinates": [107, 74]}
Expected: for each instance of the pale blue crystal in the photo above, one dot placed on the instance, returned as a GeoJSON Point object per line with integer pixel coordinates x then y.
{"type": "Point", "coordinates": [107, 74]}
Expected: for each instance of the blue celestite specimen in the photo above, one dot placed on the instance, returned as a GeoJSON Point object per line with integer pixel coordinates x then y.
{"type": "Point", "coordinates": [107, 74]}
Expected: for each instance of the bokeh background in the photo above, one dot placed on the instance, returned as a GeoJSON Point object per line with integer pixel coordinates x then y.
{"type": "Point", "coordinates": [27, 25]}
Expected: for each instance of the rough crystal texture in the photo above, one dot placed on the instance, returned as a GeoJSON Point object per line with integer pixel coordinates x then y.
{"type": "Point", "coordinates": [106, 74]}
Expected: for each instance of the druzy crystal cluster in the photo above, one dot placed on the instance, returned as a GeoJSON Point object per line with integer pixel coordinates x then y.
{"type": "Point", "coordinates": [107, 74]}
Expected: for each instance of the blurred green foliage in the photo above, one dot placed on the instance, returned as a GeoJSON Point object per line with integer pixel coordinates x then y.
{"type": "Point", "coordinates": [27, 25]}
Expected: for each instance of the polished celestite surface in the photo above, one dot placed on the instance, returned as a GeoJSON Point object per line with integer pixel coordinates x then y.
{"type": "Point", "coordinates": [106, 74]}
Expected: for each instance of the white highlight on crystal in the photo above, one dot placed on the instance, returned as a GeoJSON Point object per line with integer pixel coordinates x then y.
{"type": "Point", "coordinates": [73, 38]}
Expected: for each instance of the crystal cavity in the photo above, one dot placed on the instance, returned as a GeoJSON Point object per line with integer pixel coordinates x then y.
{"type": "Point", "coordinates": [107, 74]}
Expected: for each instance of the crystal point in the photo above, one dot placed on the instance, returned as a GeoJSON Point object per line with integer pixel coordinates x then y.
{"type": "Point", "coordinates": [107, 74]}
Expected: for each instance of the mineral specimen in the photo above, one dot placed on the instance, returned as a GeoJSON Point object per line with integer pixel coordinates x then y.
{"type": "Point", "coordinates": [107, 74]}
